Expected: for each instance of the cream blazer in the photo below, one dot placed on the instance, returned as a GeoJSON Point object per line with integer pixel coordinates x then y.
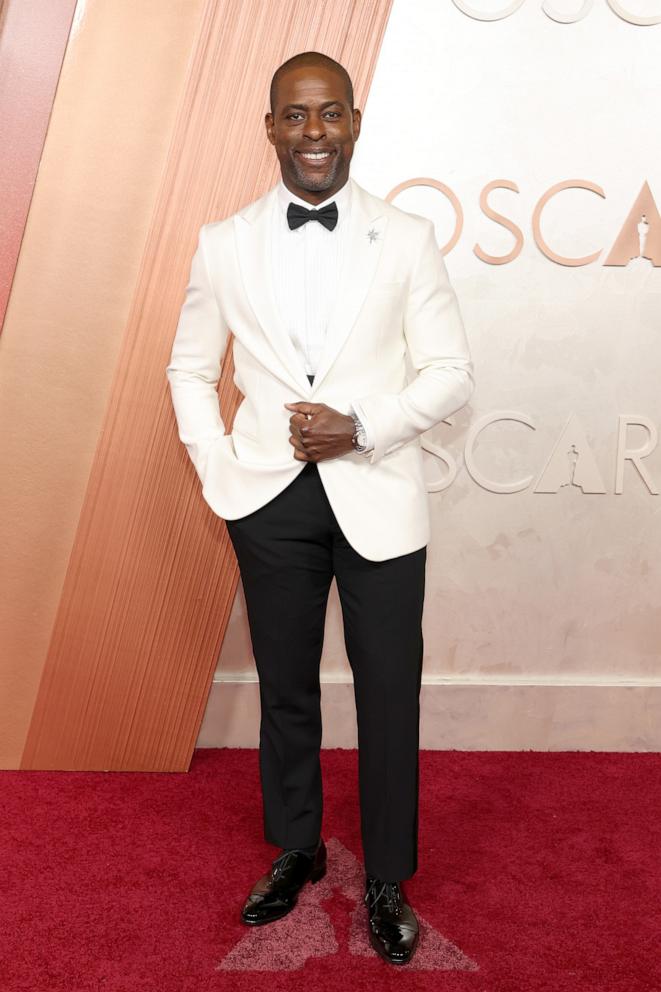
{"type": "Point", "coordinates": [395, 308]}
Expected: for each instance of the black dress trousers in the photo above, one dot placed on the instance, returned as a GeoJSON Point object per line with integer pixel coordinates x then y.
{"type": "Point", "coordinates": [288, 552]}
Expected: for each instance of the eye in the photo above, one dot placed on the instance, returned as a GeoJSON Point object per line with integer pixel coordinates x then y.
{"type": "Point", "coordinates": [289, 116]}
{"type": "Point", "coordinates": [333, 113]}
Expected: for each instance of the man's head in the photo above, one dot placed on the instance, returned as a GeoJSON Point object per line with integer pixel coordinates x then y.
{"type": "Point", "coordinates": [312, 110]}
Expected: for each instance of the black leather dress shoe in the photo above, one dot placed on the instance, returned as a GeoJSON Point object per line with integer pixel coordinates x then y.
{"type": "Point", "coordinates": [393, 927]}
{"type": "Point", "coordinates": [275, 894]}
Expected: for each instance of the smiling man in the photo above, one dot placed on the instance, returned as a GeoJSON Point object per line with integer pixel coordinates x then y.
{"type": "Point", "coordinates": [314, 162]}
{"type": "Point", "coordinates": [328, 290]}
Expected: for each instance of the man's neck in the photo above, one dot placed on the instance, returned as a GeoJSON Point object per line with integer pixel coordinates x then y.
{"type": "Point", "coordinates": [315, 197]}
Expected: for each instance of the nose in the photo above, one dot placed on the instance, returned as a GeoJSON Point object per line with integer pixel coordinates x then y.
{"type": "Point", "coordinates": [315, 127]}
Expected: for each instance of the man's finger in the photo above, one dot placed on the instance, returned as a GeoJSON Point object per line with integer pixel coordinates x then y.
{"type": "Point", "coordinates": [299, 425]}
{"type": "Point", "coordinates": [295, 431]}
{"type": "Point", "coordinates": [300, 420]}
{"type": "Point", "coordinates": [304, 407]}
{"type": "Point", "coordinates": [299, 450]}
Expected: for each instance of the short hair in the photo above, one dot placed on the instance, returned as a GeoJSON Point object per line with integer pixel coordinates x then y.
{"type": "Point", "coordinates": [312, 59]}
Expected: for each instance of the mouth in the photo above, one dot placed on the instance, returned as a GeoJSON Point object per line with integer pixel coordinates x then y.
{"type": "Point", "coordinates": [319, 156]}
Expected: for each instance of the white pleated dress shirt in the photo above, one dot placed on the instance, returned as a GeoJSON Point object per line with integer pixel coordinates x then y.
{"type": "Point", "coordinates": [306, 266]}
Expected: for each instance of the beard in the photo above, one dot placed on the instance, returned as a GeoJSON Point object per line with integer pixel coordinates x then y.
{"type": "Point", "coordinates": [315, 182]}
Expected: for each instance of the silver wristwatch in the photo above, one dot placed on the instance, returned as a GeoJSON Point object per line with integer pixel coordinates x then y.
{"type": "Point", "coordinates": [359, 439]}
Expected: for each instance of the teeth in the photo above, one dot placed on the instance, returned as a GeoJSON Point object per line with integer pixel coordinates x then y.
{"type": "Point", "coordinates": [315, 155]}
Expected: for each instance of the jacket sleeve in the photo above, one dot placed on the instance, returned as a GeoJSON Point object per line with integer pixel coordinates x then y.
{"type": "Point", "coordinates": [195, 363]}
{"type": "Point", "coordinates": [438, 348]}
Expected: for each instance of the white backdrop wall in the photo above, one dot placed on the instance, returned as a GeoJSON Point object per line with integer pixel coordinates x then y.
{"type": "Point", "coordinates": [533, 143]}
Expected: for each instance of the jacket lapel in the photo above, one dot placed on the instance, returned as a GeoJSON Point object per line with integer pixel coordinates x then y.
{"type": "Point", "coordinates": [252, 227]}
{"type": "Point", "coordinates": [364, 244]}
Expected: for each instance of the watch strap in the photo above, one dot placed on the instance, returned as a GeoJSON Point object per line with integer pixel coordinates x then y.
{"type": "Point", "coordinates": [359, 437]}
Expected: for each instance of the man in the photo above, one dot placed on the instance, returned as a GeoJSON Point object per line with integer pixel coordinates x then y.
{"type": "Point", "coordinates": [327, 290]}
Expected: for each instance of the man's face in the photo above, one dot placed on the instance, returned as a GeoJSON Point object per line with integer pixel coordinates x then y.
{"type": "Point", "coordinates": [312, 114]}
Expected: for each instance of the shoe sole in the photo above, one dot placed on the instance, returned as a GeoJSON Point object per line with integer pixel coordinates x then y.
{"type": "Point", "coordinates": [315, 876]}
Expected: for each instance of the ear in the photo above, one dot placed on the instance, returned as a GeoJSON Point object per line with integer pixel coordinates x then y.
{"type": "Point", "coordinates": [268, 123]}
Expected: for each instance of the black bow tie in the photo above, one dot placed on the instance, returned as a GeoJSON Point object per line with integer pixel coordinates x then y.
{"type": "Point", "coordinates": [298, 215]}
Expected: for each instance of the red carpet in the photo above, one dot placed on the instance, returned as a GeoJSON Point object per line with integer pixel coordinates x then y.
{"type": "Point", "coordinates": [537, 872]}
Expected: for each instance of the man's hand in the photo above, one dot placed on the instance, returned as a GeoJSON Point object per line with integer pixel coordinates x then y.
{"type": "Point", "coordinates": [325, 433]}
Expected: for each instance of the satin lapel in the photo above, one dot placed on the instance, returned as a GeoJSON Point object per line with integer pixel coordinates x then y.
{"type": "Point", "coordinates": [253, 240]}
{"type": "Point", "coordinates": [364, 244]}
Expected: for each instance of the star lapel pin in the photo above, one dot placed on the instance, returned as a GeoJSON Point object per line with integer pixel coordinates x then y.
{"type": "Point", "coordinates": [372, 234]}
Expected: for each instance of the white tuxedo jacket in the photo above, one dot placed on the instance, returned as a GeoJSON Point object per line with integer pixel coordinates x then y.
{"type": "Point", "coordinates": [394, 300]}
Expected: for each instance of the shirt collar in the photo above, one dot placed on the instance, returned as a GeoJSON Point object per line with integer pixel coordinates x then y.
{"type": "Point", "coordinates": [342, 198]}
